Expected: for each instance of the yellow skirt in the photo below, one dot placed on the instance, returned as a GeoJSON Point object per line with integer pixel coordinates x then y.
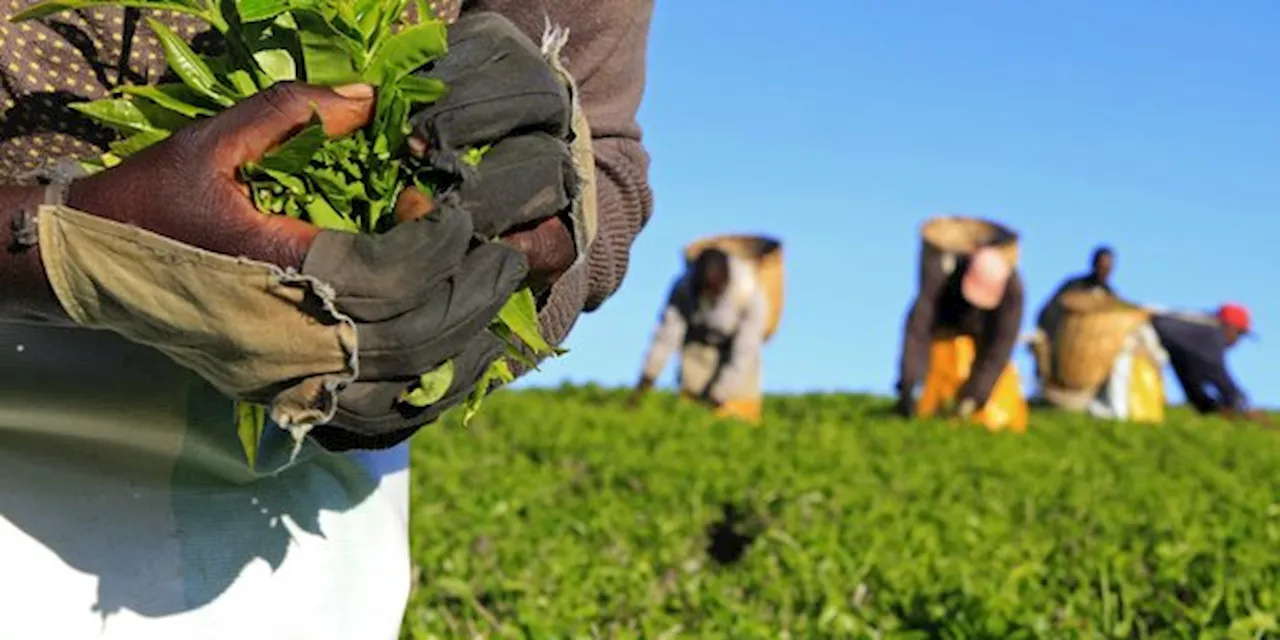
{"type": "Point", "coordinates": [950, 360]}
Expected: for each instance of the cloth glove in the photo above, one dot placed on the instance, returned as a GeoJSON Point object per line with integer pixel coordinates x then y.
{"type": "Point", "coordinates": [507, 93]}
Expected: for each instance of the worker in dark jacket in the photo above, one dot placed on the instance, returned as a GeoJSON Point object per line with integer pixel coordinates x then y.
{"type": "Point", "coordinates": [1197, 346]}
{"type": "Point", "coordinates": [959, 334]}
{"type": "Point", "coordinates": [1101, 266]}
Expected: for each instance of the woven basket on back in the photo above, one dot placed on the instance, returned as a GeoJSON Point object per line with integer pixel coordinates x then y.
{"type": "Point", "coordinates": [1089, 335]}
{"type": "Point", "coordinates": [946, 238]}
{"type": "Point", "coordinates": [765, 253]}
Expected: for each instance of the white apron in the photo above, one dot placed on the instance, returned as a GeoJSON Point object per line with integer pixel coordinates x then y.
{"type": "Point", "coordinates": [126, 510]}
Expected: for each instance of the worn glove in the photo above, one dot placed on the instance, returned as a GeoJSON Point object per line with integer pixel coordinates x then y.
{"type": "Point", "coordinates": [457, 293]}
{"type": "Point", "coordinates": [149, 250]}
{"type": "Point", "coordinates": [536, 184]}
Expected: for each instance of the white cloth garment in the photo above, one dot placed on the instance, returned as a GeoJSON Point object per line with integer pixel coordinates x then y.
{"type": "Point", "coordinates": [126, 510]}
{"type": "Point", "coordinates": [740, 316]}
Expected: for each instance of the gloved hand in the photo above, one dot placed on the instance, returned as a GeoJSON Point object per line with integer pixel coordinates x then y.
{"type": "Point", "coordinates": [167, 250]}
{"type": "Point", "coordinates": [535, 185]}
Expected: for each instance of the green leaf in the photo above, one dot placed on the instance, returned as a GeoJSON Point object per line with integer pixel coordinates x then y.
{"type": "Point", "coordinates": [454, 587]}
{"type": "Point", "coordinates": [177, 98]}
{"type": "Point", "coordinates": [260, 10]}
{"type": "Point", "coordinates": [293, 184]}
{"type": "Point", "coordinates": [295, 154]}
{"type": "Point", "coordinates": [43, 9]}
{"type": "Point", "coordinates": [323, 215]}
{"type": "Point", "coordinates": [278, 64]}
{"type": "Point", "coordinates": [497, 371]}
{"type": "Point", "coordinates": [327, 56]}
{"type": "Point", "coordinates": [118, 113]}
{"type": "Point", "coordinates": [242, 82]}
{"type": "Point", "coordinates": [251, 422]}
{"type": "Point", "coordinates": [404, 52]}
{"type": "Point", "coordinates": [474, 155]}
{"type": "Point", "coordinates": [425, 12]}
{"type": "Point", "coordinates": [420, 90]}
{"type": "Point", "coordinates": [189, 66]}
{"type": "Point", "coordinates": [520, 315]}
{"type": "Point", "coordinates": [137, 142]}
{"type": "Point", "coordinates": [431, 386]}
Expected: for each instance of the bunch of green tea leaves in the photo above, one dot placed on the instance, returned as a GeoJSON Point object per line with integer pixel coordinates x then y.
{"type": "Point", "coordinates": [349, 184]}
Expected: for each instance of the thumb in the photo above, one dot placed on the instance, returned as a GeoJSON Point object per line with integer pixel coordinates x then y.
{"type": "Point", "coordinates": [248, 130]}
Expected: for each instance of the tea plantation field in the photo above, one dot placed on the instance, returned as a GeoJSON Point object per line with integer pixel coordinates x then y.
{"type": "Point", "coordinates": [561, 514]}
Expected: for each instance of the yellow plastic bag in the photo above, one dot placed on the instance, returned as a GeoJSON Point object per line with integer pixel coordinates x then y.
{"type": "Point", "coordinates": [1146, 391]}
{"type": "Point", "coordinates": [950, 360]}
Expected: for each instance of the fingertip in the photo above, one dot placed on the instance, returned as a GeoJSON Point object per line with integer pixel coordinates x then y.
{"type": "Point", "coordinates": [355, 91]}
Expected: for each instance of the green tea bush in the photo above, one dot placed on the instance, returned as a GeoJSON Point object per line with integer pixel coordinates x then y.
{"type": "Point", "coordinates": [560, 514]}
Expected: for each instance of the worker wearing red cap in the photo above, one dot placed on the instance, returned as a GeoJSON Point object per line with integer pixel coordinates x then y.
{"type": "Point", "coordinates": [1197, 344]}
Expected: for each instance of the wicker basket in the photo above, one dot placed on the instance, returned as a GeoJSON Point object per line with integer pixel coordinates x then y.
{"type": "Point", "coordinates": [1090, 333]}
{"type": "Point", "coordinates": [946, 238]}
{"type": "Point", "coordinates": [762, 251]}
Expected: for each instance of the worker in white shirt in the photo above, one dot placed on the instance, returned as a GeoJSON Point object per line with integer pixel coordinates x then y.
{"type": "Point", "coordinates": [716, 316]}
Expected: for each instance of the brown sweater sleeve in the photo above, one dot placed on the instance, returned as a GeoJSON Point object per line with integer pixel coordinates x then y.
{"type": "Point", "coordinates": [999, 335]}
{"type": "Point", "coordinates": [606, 55]}
{"type": "Point", "coordinates": [918, 329]}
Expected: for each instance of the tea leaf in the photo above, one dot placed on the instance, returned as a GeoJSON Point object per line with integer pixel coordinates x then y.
{"type": "Point", "coordinates": [44, 9]}
{"type": "Point", "coordinates": [174, 97]}
{"type": "Point", "coordinates": [137, 142]}
{"type": "Point", "coordinates": [260, 10]}
{"type": "Point", "coordinates": [251, 422]}
{"type": "Point", "coordinates": [118, 113]}
{"type": "Point", "coordinates": [498, 371]}
{"type": "Point", "coordinates": [432, 386]}
{"type": "Point", "coordinates": [327, 57]}
{"type": "Point", "coordinates": [520, 314]}
{"type": "Point", "coordinates": [323, 215]}
{"type": "Point", "coordinates": [295, 154]}
{"type": "Point", "coordinates": [242, 82]}
{"type": "Point", "coordinates": [190, 67]}
{"type": "Point", "coordinates": [404, 52]}
{"type": "Point", "coordinates": [417, 89]}
{"type": "Point", "coordinates": [278, 64]}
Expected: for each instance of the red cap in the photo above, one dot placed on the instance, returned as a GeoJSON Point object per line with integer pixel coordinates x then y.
{"type": "Point", "coordinates": [1236, 316]}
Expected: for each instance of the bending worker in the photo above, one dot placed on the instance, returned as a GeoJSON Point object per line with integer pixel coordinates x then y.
{"type": "Point", "coordinates": [139, 303]}
{"type": "Point", "coordinates": [1098, 278]}
{"type": "Point", "coordinates": [958, 338]}
{"type": "Point", "coordinates": [1197, 344]}
{"type": "Point", "coordinates": [716, 315]}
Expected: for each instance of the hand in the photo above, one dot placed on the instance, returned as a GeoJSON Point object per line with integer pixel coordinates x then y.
{"type": "Point", "coordinates": [905, 406]}
{"type": "Point", "coordinates": [504, 93]}
{"type": "Point", "coordinates": [642, 388]}
{"type": "Point", "coordinates": [187, 188]}
{"type": "Point", "coordinates": [413, 297]}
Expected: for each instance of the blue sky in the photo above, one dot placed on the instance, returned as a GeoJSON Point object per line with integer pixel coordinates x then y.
{"type": "Point", "coordinates": [1152, 126]}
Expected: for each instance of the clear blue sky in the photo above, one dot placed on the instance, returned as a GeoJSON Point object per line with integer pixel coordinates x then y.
{"type": "Point", "coordinates": [1152, 126]}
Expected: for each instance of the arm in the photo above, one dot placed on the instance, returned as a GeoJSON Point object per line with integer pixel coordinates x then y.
{"type": "Point", "coordinates": [25, 294]}
{"type": "Point", "coordinates": [606, 55]}
{"type": "Point", "coordinates": [919, 329]}
{"type": "Point", "coordinates": [1230, 398]}
{"type": "Point", "coordinates": [746, 348]}
{"type": "Point", "coordinates": [998, 339]}
{"type": "Point", "coordinates": [670, 333]}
